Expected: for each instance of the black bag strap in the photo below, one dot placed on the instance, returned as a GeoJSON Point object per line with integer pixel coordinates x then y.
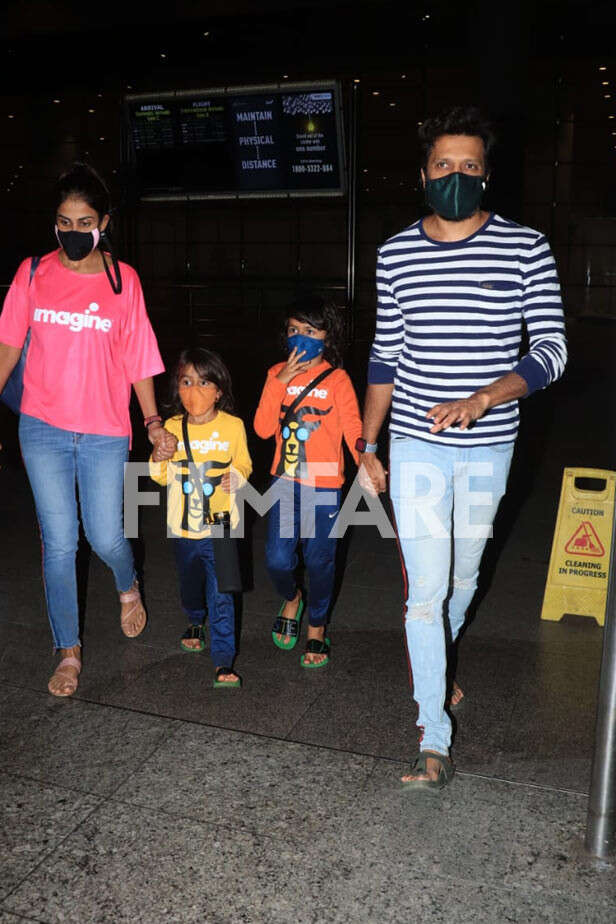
{"type": "Point", "coordinates": [34, 262]}
{"type": "Point", "coordinates": [116, 284]}
{"type": "Point", "coordinates": [289, 413]}
{"type": "Point", "coordinates": [189, 456]}
{"type": "Point", "coordinates": [187, 449]}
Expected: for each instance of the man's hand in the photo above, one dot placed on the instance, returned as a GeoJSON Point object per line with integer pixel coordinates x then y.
{"type": "Point", "coordinates": [165, 444]}
{"type": "Point", "coordinates": [294, 365]}
{"type": "Point", "coordinates": [372, 476]}
{"type": "Point", "coordinates": [462, 412]}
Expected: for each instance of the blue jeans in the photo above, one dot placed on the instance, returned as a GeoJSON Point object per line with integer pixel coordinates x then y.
{"type": "Point", "coordinates": [298, 517]}
{"type": "Point", "coordinates": [431, 485]}
{"type": "Point", "coordinates": [57, 460]}
{"type": "Point", "coordinates": [197, 572]}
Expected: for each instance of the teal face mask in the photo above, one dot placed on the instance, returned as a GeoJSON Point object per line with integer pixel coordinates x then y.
{"type": "Point", "coordinates": [455, 196]}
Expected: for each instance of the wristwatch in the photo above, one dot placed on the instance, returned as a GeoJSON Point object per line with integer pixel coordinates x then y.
{"type": "Point", "coordinates": [362, 446]}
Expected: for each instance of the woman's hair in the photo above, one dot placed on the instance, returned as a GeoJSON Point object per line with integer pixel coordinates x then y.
{"type": "Point", "coordinates": [322, 314]}
{"type": "Point", "coordinates": [83, 182]}
{"type": "Point", "coordinates": [461, 120]}
{"type": "Point", "coordinates": [208, 365]}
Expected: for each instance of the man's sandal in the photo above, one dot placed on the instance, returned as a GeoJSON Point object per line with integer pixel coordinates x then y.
{"type": "Point", "coordinates": [133, 596]}
{"type": "Point", "coordinates": [287, 627]}
{"type": "Point", "coordinates": [193, 632]}
{"type": "Point", "coordinates": [68, 680]}
{"type": "Point", "coordinates": [230, 684]}
{"type": "Point", "coordinates": [318, 647]}
{"type": "Point", "coordinates": [445, 774]}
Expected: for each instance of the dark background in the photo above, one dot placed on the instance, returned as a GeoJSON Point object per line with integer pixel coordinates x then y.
{"type": "Point", "coordinates": [219, 270]}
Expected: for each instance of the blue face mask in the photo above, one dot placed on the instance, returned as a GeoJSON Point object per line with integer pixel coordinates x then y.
{"type": "Point", "coordinates": [309, 345]}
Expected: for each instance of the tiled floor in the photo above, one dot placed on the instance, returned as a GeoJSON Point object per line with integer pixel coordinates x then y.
{"type": "Point", "coordinates": [150, 797]}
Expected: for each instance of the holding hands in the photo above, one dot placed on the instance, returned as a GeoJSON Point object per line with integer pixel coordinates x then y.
{"type": "Point", "coordinates": [372, 476]}
{"type": "Point", "coordinates": [165, 444]}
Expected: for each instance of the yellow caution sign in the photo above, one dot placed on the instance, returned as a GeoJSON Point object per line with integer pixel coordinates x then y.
{"type": "Point", "coordinates": [580, 559]}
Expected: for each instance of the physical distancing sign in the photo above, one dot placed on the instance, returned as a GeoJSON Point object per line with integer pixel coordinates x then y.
{"type": "Point", "coordinates": [580, 559]}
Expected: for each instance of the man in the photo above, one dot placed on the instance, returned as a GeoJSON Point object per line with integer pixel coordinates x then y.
{"type": "Point", "coordinates": [453, 290]}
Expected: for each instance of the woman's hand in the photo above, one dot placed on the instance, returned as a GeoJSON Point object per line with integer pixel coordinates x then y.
{"type": "Point", "coordinates": [165, 444]}
{"type": "Point", "coordinates": [293, 366]}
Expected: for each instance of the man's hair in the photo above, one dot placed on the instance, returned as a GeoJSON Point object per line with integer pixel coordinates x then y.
{"type": "Point", "coordinates": [461, 120]}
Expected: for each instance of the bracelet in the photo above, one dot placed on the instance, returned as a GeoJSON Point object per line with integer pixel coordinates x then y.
{"type": "Point", "coordinates": [155, 418]}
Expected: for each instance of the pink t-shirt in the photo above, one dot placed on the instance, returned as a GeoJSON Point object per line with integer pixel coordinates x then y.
{"type": "Point", "coordinates": [88, 345]}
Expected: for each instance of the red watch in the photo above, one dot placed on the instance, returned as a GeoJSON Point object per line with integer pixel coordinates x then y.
{"type": "Point", "coordinates": [361, 445]}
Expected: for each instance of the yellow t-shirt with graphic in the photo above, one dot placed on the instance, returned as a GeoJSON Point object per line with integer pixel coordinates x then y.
{"type": "Point", "coordinates": [217, 447]}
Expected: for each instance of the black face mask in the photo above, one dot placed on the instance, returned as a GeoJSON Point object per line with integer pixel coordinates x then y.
{"type": "Point", "coordinates": [455, 196]}
{"type": "Point", "coordinates": [78, 244]}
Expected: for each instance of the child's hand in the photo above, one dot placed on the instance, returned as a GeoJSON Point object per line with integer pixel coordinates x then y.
{"type": "Point", "coordinates": [165, 444]}
{"type": "Point", "coordinates": [231, 482]}
{"type": "Point", "coordinates": [293, 366]}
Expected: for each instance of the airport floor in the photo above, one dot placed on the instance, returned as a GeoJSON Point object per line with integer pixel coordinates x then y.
{"type": "Point", "coordinates": [151, 797]}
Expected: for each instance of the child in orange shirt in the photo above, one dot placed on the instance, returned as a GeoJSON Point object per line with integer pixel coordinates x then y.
{"type": "Point", "coordinates": [307, 432]}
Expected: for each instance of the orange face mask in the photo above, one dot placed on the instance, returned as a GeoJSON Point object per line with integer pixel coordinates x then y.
{"type": "Point", "coordinates": [198, 399]}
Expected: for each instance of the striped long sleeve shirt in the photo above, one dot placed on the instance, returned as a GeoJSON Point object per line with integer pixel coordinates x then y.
{"type": "Point", "coordinates": [449, 322]}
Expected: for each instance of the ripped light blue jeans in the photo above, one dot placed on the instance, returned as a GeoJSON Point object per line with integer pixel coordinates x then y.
{"type": "Point", "coordinates": [434, 486]}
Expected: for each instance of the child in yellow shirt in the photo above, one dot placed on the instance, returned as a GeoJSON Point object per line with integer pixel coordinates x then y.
{"type": "Point", "coordinates": [202, 478]}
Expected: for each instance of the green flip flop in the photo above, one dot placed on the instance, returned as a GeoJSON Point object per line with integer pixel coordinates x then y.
{"type": "Point", "coordinates": [444, 777]}
{"type": "Point", "coordinates": [290, 627]}
{"type": "Point", "coordinates": [193, 632]}
{"type": "Point", "coordinates": [226, 684]}
{"type": "Point", "coordinates": [315, 646]}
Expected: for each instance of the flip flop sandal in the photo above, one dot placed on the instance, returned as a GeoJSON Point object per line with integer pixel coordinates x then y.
{"type": "Point", "coordinates": [231, 685]}
{"type": "Point", "coordinates": [132, 596]}
{"type": "Point", "coordinates": [193, 632]}
{"type": "Point", "coordinates": [315, 646]}
{"type": "Point", "coordinates": [283, 626]}
{"type": "Point", "coordinates": [444, 777]}
{"type": "Point", "coordinates": [67, 679]}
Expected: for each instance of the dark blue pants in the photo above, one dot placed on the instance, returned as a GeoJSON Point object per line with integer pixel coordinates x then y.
{"type": "Point", "coordinates": [305, 522]}
{"type": "Point", "coordinates": [198, 585]}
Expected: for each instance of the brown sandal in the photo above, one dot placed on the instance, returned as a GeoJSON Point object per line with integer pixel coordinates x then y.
{"type": "Point", "coordinates": [68, 679]}
{"type": "Point", "coordinates": [133, 596]}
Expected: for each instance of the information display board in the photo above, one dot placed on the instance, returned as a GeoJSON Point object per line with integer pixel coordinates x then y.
{"type": "Point", "coordinates": [279, 140]}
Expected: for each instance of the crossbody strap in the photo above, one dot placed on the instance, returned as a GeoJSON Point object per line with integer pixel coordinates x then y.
{"type": "Point", "coordinates": [34, 262]}
{"type": "Point", "coordinates": [305, 391]}
{"type": "Point", "coordinates": [187, 448]}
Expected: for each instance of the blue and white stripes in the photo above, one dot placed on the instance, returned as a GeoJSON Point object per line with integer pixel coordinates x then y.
{"type": "Point", "coordinates": [449, 321]}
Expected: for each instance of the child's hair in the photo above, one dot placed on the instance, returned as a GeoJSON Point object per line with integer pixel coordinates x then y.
{"type": "Point", "coordinates": [322, 314]}
{"type": "Point", "coordinates": [208, 365]}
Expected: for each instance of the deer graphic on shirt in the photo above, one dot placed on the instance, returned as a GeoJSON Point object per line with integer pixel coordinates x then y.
{"type": "Point", "coordinates": [295, 434]}
{"type": "Point", "coordinates": [197, 491]}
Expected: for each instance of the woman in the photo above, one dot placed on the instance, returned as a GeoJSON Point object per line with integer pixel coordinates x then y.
{"type": "Point", "coordinates": [91, 339]}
